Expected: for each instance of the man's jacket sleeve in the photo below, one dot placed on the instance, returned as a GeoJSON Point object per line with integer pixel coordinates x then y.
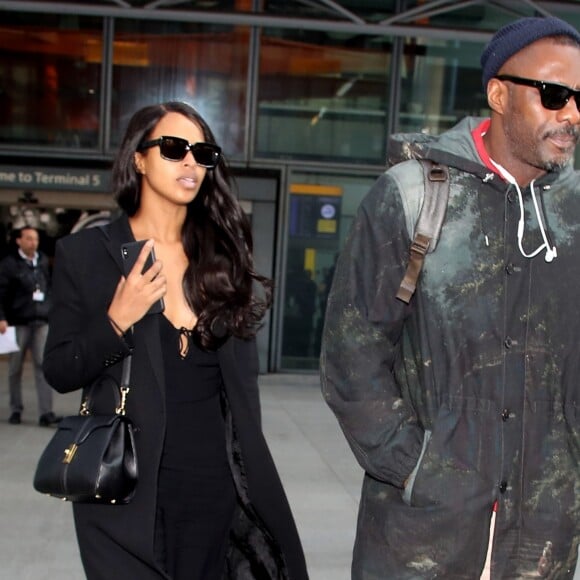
{"type": "Point", "coordinates": [363, 329]}
{"type": "Point", "coordinates": [5, 277]}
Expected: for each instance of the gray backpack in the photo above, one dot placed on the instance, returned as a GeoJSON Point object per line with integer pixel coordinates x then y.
{"type": "Point", "coordinates": [425, 206]}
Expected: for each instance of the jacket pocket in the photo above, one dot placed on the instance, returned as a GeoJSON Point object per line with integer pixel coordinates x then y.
{"type": "Point", "coordinates": [457, 458]}
{"type": "Point", "coordinates": [408, 491]}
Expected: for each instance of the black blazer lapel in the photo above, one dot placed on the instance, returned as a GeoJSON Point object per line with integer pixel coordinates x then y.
{"type": "Point", "coordinates": [117, 233]}
{"type": "Point", "coordinates": [149, 326]}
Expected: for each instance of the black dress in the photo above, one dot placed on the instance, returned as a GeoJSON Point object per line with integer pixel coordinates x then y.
{"type": "Point", "coordinates": [196, 495]}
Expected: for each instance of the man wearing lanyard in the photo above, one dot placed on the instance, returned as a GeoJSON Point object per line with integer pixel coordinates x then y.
{"type": "Point", "coordinates": [24, 304]}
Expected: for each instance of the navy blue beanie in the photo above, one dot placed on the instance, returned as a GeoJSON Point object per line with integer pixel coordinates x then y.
{"type": "Point", "coordinates": [515, 36]}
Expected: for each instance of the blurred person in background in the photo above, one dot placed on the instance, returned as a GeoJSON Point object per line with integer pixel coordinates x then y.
{"type": "Point", "coordinates": [25, 299]}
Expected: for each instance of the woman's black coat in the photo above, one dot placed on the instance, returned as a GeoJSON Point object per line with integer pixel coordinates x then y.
{"type": "Point", "coordinates": [117, 541]}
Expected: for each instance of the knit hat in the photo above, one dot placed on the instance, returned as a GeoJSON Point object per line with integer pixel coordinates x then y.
{"type": "Point", "coordinates": [515, 36]}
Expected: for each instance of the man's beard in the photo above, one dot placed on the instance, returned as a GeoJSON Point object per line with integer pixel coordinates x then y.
{"type": "Point", "coordinates": [557, 164]}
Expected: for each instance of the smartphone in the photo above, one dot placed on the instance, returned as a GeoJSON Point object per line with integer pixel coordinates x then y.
{"type": "Point", "coordinates": [130, 252]}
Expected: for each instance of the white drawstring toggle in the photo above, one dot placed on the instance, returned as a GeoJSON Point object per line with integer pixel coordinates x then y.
{"type": "Point", "coordinates": [551, 253]}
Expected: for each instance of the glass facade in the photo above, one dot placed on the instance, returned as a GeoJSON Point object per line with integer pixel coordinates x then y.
{"type": "Point", "coordinates": [305, 95]}
{"type": "Point", "coordinates": [322, 97]}
{"type": "Point", "coordinates": [50, 80]}
{"type": "Point", "coordinates": [440, 82]}
{"type": "Point", "coordinates": [206, 65]}
{"type": "Point", "coordinates": [320, 208]}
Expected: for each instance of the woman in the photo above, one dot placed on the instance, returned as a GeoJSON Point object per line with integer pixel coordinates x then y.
{"type": "Point", "coordinates": [209, 503]}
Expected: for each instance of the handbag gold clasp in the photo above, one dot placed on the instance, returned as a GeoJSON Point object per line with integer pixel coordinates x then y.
{"type": "Point", "coordinates": [120, 410]}
{"type": "Point", "coordinates": [69, 453]}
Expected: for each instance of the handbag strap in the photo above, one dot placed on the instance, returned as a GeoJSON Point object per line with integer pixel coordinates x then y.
{"type": "Point", "coordinates": [125, 388]}
{"type": "Point", "coordinates": [126, 372]}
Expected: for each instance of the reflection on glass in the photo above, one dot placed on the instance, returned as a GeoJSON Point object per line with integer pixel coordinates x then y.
{"type": "Point", "coordinates": [440, 84]}
{"type": "Point", "coordinates": [321, 209]}
{"type": "Point", "coordinates": [205, 65]}
{"type": "Point", "coordinates": [50, 75]}
{"type": "Point", "coordinates": [322, 96]}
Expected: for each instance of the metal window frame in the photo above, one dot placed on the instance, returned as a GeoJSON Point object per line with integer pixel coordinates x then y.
{"type": "Point", "coordinates": [393, 26]}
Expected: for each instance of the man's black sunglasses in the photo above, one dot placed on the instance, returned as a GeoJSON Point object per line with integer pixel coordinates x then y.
{"type": "Point", "coordinates": [553, 96]}
{"type": "Point", "coordinates": [176, 148]}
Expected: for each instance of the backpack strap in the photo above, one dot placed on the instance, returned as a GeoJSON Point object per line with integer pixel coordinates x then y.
{"type": "Point", "coordinates": [428, 225]}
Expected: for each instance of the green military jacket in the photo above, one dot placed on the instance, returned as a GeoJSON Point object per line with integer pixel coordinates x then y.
{"type": "Point", "coordinates": [471, 393]}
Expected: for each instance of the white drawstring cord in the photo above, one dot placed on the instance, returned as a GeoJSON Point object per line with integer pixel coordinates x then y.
{"type": "Point", "coordinates": [551, 252]}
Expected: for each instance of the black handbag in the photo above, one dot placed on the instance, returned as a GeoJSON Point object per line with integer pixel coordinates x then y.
{"type": "Point", "coordinates": [91, 458]}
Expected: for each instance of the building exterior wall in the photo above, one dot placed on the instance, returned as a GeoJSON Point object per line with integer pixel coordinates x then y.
{"type": "Point", "coordinates": [308, 101]}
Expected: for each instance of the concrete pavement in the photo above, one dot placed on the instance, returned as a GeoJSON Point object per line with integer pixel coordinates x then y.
{"type": "Point", "coordinates": [320, 475]}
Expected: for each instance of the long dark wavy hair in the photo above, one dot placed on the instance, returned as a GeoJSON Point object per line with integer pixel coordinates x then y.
{"type": "Point", "coordinates": [220, 284]}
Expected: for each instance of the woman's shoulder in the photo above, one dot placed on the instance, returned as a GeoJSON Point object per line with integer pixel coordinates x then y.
{"type": "Point", "coordinates": [90, 237]}
{"type": "Point", "coordinates": [81, 237]}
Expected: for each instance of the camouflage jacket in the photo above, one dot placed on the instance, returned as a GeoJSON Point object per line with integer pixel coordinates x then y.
{"type": "Point", "coordinates": [472, 392]}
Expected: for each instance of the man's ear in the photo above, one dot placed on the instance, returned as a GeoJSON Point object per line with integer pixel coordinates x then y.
{"type": "Point", "coordinates": [497, 96]}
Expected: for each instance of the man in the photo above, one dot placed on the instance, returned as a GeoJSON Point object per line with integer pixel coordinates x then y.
{"type": "Point", "coordinates": [467, 400]}
{"type": "Point", "coordinates": [24, 303]}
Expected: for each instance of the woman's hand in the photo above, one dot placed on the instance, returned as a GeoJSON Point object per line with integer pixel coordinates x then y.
{"type": "Point", "coordinates": [136, 293]}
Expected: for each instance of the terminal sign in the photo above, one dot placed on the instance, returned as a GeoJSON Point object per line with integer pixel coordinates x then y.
{"type": "Point", "coordinates": [54, 178]}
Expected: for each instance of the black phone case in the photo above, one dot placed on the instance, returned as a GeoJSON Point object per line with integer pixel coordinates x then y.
{"type": "Point", "coordinates": [130, 252]}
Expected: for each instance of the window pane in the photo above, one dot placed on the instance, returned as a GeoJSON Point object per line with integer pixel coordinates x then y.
{"type": "Point", "coordinates": [322, 96]}
{"type": "Point", "coordinates": [203, 65]}
{"type": "Point", "coordinates": [440, 83]}
{"type": "Point", "coordinates": [321, 210]}
{"type": "Point", "coordinates": [50, 76]}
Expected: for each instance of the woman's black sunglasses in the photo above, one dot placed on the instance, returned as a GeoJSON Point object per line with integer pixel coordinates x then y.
{"type": "Point", "coordinates": [176, 148]}
{"type": "Point", "coordinates": [553, 96]}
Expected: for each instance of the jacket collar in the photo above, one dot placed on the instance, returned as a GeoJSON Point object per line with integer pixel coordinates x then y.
{"type": "Point", "coordinates": [116, 233]}
{"type": "Point", "coordinates": [456, 148]}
